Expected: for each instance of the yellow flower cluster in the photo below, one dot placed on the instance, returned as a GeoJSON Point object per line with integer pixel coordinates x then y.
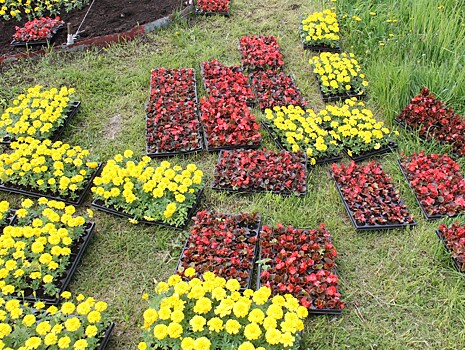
{"type": "Point", "coordinates": [358, 129]}
{"type": "Point", "coordinates": [164, 193]}
{"type": "Point", "coordinates": [45, 166]}
{"type": "Point", "coordinates": [304, 130]}
{"type": "Point", "coordinates": [320, 28]}
{"type": "Point", "coordinates": [35, 9]}
{"type": "Point", "coordinates": [37, 113]}
{"type": "Point", "coordinates": [338, 73]}
{"type": "Point", "coordinates": [4, 207]}
{"type": "Point", "coordinates": [35, 251]}
{"type": "Point", "coordinates": [76, 324]}
{"type": "Point", "coordinates": [213, 314]}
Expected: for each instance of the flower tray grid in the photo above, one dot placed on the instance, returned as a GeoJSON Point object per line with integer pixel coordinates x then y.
{"type": "Point", "coordinates": [321, 48]}
{"type": "Point", "coordinates": [226, 148]}
{"type": "Point", "coordinates": [106, 337]}
{"type": "Point", "coordinates": [423, 210]}
{"type": "Point", "coordinates": [74, 107]}
{"type": "Point", "coordinates": [339, 96]}
{"type": "Point", "coordinates": [390, 147]}
{"type": "Point", "coordinates": [100, 205]}
{"type": "Point", "coordinates": [449, 251]}
{"type": "Point", "coordinates": [312, 310]}
{"type": "Point", "coordinates": [174, 153]}
{"type": "Point", "coordinates": [277, 141]}
{"type": "Point", "coordinates": [367, 227]}
{"type": "Point", "coordinates": [251, 191]}
{"type": "Point", "coordinates": [254, 231]}
{"type": "Point", "coordinates": [18, 189]}
{"type": "Point", "coordinates": [77, 251]}
{"type": "Point", "coordinates": [181, 152]}
{"type": "Point", "coordinates": [53, 31]}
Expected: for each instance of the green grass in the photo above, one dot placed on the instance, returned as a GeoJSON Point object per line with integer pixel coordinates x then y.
{"type": "Point", "coordinates": [400, 288]}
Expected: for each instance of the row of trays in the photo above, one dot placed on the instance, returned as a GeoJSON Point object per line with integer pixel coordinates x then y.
{"type": "Point", "coordinates": [247, 283]}
{"type": "Point", "coordinates": [336, 157]}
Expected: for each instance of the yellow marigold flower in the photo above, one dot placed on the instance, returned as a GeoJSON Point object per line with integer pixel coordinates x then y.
{"type": "Point", "coordinates": [202, 343]}
{"type": "Point", "coordinates": [197, 323]}
{"type": "Point", "coordinates": [246, 346]}
{"type": "Point", "coordinates": [188, 344]}
{"type": "Point", "coordinates": [174, 330]}
{"type": "Point", "coordinates": [160, 331]}
{"type": "Point", "coordinates": [232, 326]}
{"type": "Point", "coordinates": [252, 331]}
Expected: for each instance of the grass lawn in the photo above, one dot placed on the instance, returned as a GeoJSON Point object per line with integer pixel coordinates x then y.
{"type": "Point", "coordinates": [400, 288]}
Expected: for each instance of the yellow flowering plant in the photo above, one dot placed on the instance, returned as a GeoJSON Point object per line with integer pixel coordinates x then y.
{"type": "Point", "coordinates": [37, 248]}
{"type": "Point", "coordinates": [37, 113]}
{"type": "Point", "coordinates": [78, 323]}
{"type": "Point", "coordinates": [360, 132]}
{"type": "Point", "coordinates": [338, 73]}
{"type": "Point", "coordinates": [4, 212]}
{"type": "Point", "coordinates": [56, 169]}
{"type": "Point", "coordinates": [10, 9]}
{"type": "Point", "coordinates": [297, 129]}
{"type": "Point", "coordinates": [165, 193]}
{"type": "Point", "coordinates": [320, 29]}
{"type": "Point", "coordinates": [211, 313]}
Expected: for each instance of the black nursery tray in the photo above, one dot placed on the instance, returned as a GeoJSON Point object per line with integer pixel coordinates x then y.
{"type": "Point", "coordinates": [74, 107]}
{"type": "Point", "coordinates": [311, 311]}
{"type": "Point", "coordinates": [46, 41]}
{"type": "Point", "coordinates": [77, 251]}
{"type": "Point", "coordinates": [390, 147]}
{"type": "Point", "coordinates": [226, 148]}
{"type": "Point", "coordinates": [256, 231]}
{"type": "Point", "coordinates": [339, 96]}
{"type": "Point", "coordinates": [321, 48]}
{"type": "Point", "coordinates": [26, 191]}
{"type": "Point", "coordinates": [367, 227]}
{"type": "Point", "coordinates": [106, 337]}
{"type": "Point", "coordinates": [100, 205]}
{"type": "Point", "coordinates": [423, 210]}
{"type": "Point", "coordinates": [251, 191]}
{"type": "Point", "coordinates": [277, 141]}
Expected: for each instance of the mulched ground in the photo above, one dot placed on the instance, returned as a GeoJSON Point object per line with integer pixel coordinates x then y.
{"type": "Point", "coordinates": [105, 17]}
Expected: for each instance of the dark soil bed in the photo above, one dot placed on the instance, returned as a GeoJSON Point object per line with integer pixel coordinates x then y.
{"type": "Point", "coordinates": [105, 17]}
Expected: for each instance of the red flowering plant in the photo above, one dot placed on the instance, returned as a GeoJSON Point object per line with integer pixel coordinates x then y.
{"type": "Point", "coordinates": [261, 170]}
{"type": "Point", "coordinates": [454, 240]}
{"type": "Point", "coordinates": [172, 121]}
{"type": "Point", "coordinates": [370, 196]}
{"type": "Point", "coordinates": [220, 6]}
{"type": "Point", "coordinates": [434, 120]}
{"type": "Point", "coordinates": [228, 123]}
{"type": "Point", "coordinates": [276, 89]}
{"type": "Point", "coordinates": [300, 262]}
{"type": "Point", "coordinates": [38, 29]}
{"type": "Point", "coordinates": [223, 244]}
{"type": "Point", "coordinates": [437, 183]}
{"type": "Point", "coordinates": [224, 81]}
{"type": "Point", "coordinates": [260, 52]}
